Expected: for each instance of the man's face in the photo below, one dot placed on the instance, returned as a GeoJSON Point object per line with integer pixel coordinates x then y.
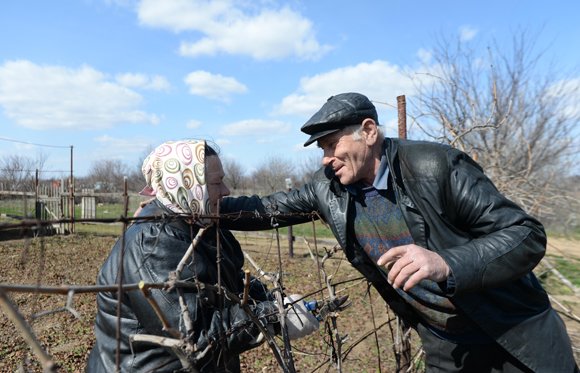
{"type": "Point", "coordinates": [349, 158]}
{"type": "Point", "coordinates": [216, 188]}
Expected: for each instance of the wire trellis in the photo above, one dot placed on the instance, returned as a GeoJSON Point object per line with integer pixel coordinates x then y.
{"type": "Point", "coordinates": [330, 293]}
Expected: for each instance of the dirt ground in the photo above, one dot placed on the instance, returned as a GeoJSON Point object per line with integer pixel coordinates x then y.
{"type": "Point", "coordinates": [74, 260]}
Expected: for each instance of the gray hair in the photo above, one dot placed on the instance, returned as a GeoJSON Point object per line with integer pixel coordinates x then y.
{"type": "Point", "coordinates": [356, 130]}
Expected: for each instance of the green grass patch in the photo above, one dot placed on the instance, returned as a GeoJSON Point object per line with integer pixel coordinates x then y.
{"type": "Point", "coordinates": [112, 229]}
{"type": "Point", "coordinates": [110, 210]}
{"type": "Point", "coordinates": [17, 207]}
{"type": "Point", "coordinates": [572, 233]}
{"type": "Point", "coordinates": [568, 267]}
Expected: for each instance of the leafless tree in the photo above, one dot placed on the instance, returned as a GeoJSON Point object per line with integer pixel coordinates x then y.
{"type": "Point", "coordinates": [234, 174]}
{"type": "Point", "coordinates": [135, 179]}
{"type": "Point", "coordinates": [108, 175]}
{"type": "Point", "coordinates": [17, 171]}
{"type": "Point", "coordinates": [271, 175]}
{"type": "Point", "coordinates": [503, 109]}
{"type": "Point", "coordinates": [309, 166]}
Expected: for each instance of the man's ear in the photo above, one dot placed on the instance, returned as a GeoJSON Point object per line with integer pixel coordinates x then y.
{"type": "Point", "coordinates": [369, 131]}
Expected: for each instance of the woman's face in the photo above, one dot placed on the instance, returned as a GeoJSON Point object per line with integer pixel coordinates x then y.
{"type": "Point", "coordinates": [216, 188]}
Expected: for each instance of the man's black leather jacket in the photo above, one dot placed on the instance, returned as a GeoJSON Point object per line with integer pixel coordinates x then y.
{"type": "Point", "coordinates": [452, 208]}
{"type": "Point", "coordinates": [153, 249]}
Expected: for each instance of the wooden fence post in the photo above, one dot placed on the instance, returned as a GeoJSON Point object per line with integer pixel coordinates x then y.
{"type": "Point", "coordinates": [88, 205]}
{"type": "Point", "coordinates": [403, 340]}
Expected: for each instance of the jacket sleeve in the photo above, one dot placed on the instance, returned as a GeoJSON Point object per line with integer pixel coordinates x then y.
{"type": "Point", "coordinates": [277, 209]}
{"type": "Point", "coordinates": [502, 242]}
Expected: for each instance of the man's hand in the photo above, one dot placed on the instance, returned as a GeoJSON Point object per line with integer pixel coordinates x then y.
{"type": "Point", "coordinates": [409, 264]}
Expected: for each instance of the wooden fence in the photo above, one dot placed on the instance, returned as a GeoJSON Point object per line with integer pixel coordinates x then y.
{"type": "Point", "coordinates": [51, 201]}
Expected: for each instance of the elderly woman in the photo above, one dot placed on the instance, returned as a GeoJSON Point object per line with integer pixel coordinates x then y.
{"type": "Point", "coordinates": [186, 180]}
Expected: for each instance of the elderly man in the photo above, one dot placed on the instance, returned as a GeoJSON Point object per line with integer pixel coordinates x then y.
{"type": "Point", "coordinates": [450, 254]}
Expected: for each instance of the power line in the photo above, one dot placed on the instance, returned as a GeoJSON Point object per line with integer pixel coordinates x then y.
{"type": "Point", "coordinates": [30, 170]}
{"type": "Point", "coordinates": [30, 143]}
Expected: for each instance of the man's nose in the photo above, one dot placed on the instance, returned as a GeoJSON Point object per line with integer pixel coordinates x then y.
{"type": "Point", "coordinates": [327, 157]}
{"type": "Point", "coordinates": [225, 191]}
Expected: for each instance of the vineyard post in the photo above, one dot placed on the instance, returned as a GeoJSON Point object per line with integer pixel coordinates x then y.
{"type": "Point", "coordinates": [403, 350]}
{"type": "Point", "coordinates": [72, 193]}
{"type": "Point", "coordinates": [290, 234]}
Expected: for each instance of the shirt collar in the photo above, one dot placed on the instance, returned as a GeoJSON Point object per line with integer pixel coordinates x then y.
{"type": "Point", "coordinates": [382, 179]}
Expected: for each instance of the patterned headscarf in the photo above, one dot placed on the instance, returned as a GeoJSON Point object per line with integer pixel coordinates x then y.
{"type": "Point", "coordinates": [175, 175]}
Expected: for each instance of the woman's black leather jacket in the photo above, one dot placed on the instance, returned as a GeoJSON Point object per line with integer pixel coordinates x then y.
{"type": "Point", "coordinates": [153, 249]}
{"type": "Point", "coordinates": [452, 208]}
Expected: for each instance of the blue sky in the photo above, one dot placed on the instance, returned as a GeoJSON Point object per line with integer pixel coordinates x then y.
{"type": "Point", "coordinates": [113, 78]}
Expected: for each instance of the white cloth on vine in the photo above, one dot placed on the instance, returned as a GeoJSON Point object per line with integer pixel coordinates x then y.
{"type": "Point", "coordinates": [299, 321]}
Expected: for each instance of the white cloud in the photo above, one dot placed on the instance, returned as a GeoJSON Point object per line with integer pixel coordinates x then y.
{"type": "Point", "coordinates": [183, 15]}
{"type": "Point", "coordinates": [118, 148]}
{"type": "Point", "coordinates": [300, 148]}
{"type": "Point", "coordinates": [122, 3]}
{"type": "Point", "coordinates": [214, 86]}
{"type": "Point", "coordinates": [378, 80]}
{"type": "Point", "coordinates": [255, 128]}
{"type": "Point", "coordinates": [567, 94]}
{"type": "Point", "coordinates": [193, 124]}
{"type": "Point", "coordinates": [222, 142]}
{"type": "Point", "coordinates": [44, 97]}
{"type": "Point", "coordinates": [235, 27]}
{"type": "Point", "coordinates": [466, 33]}
{"type": "Point", "coordinates": [131, 80]}
{"type": "Point", "coordinates": [267, 140]}
{"type": "Point", "coordinates": [424, 56]}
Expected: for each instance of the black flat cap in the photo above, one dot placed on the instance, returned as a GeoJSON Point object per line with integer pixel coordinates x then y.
{"type": "Point", "coordinates": [338, 112]}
